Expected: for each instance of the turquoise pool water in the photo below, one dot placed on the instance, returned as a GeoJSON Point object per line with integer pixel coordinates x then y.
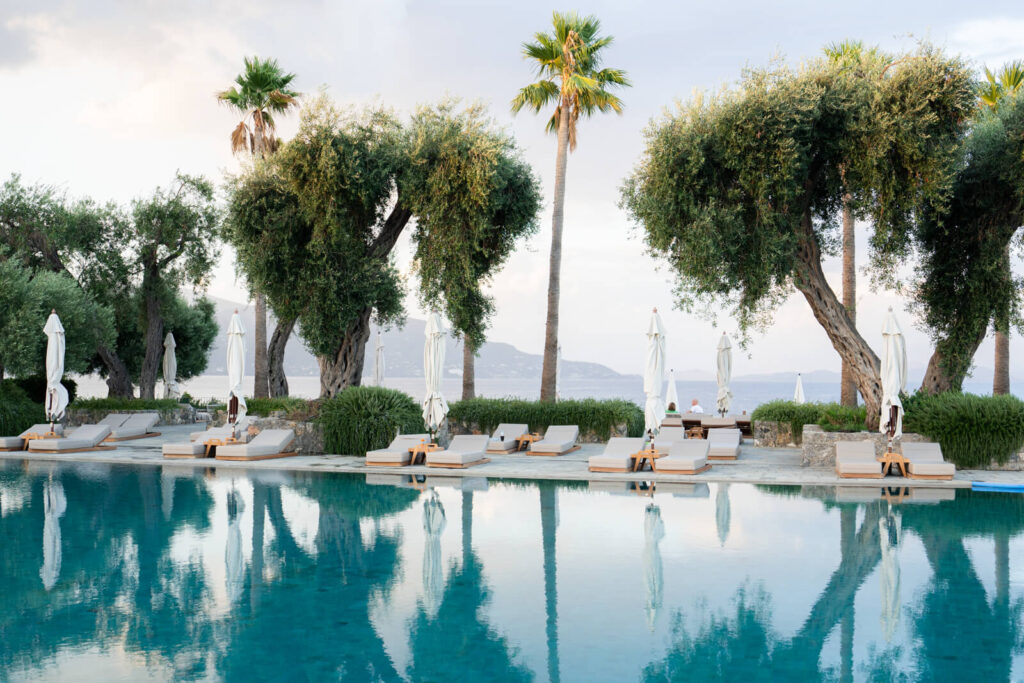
{"type": "Point", "coordinates": [123, 573]}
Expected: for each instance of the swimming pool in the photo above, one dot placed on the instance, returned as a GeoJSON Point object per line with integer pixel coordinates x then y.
{"type": "Point", "coordinates": [126, 573]}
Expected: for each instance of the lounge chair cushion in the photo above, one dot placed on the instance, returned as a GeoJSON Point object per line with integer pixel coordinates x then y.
{"type": "Point", "coordinates": [512, 432]}
{"type": "Point", "coordinates": [267, 442]}
{"type": "Point", "coordinates": [185, 448]}
{"type": "Point", "coordinates": [685, 456]}
{"type": "Point", "coordinates": [398, 450]}
{"type": "Point", "coordinates": [86, 436]}
{"type": "Point", "coordinates": [669, 435]}
{"type": "Point", "coordinates": [136, 425]}
{"type": "Point", "coordinates": [926, 459]}
{"type": "Point", "coordinates": [114, 420]}
{"type": "Point", "coordinates": [214, 433]}
{"type": "Point", "coordinates": [557, 439]}
{"type": "Point", "coordinates": [717, 422]}
{"type": "Point", "coordinates": [856, 457]}
{"type": "Point", "coordinates": [617, 453]}
{"type": "Point", "coordinates": [724, 442]}
{"type": "Point", "coordinates": [463, 449]}
{"type": "Point", "coordinates": [19, 441]}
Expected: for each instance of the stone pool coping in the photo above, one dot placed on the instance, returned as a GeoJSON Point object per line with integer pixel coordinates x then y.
{"type": "Point", "coordinates": [756, 465]}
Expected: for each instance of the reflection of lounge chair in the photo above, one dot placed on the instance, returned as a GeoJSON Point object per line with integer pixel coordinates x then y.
{"type": "Point", "coordinates": [686, 457]}
{"type": "Point", "coordinates": [679, 490]}
{"type": "Point", "coordinates": [137, 426]}
{"type": "Point", "coordinates": [464, 451]}
{"type": "Point", "coordinates": [17, 443]}
{"type": "Point", "coordinates": [84, 438]}
{"type": "Point", "coordinates": [925, 461]}
{"type": "Point", "coordinates": [931, 495]}
{"type": "Point", "coordinates": [717, 422]}
{"type": "Point", "coordinates": [397, 452]}
{"type": "Point", "coordinates": [270, 443]}
{"type": "Point", "coordinates": [724, 444]}
{"type": "Point", "coordinates": [512, 432]}
{"type": "Point", "coordinates": [397, 480]}
{"type": "Point", "coordinates": [856, 460]}
{"type": "Point", "coordinates": [858, 494]}
{"type": "Point", "coordinates": [558, 440]}
{"type": "Point", "coordinates": [615, 488]}
{"type": "Point", "coordinates": [617, 455]}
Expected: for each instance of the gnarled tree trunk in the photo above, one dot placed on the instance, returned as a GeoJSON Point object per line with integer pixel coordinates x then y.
{"type": "Point", "coordinates": [344, 368]}
{"type": "Point", "coordinates": [468, 369]}
{"type": "Point", "coordinates": [548, 377]}
{"type": "Point", "coordinates": [261, 388]}
{"type": "Point", "coordinates": [830, 313]}
{"type": "Point", "coordinates": [275, 356]}
{"type": "Point", "coordinates": [154, 347]}
{"type": "Point", "coordinates": [945, 372]}
{"type": "Point", "coordinates": [848, 388]}
{"type": "Point", "coordinates": [119, 382]}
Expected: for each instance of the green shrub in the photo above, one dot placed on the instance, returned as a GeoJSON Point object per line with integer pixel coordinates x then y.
{"type": "Point", "coordinates": [796, 414]}
{"type": "Point", "coordinates": [17, 411]}
{"type": "Point", "coordinates": [592, 416]}
{"type": "Point", "coordinates": [972, 430]}
{"type": "Point", "coordinates": [834, 417]}
{"type": "Point", "coordinates": [116, 404]}
{"type": "Point", "coordinates": [293, 408]}
{"type": "Point", "coordinates": [361, 419]}
{"type": "Point", "coordinates": [35, 387]}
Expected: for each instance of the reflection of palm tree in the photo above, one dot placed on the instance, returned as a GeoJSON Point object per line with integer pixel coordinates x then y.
{"type": "Point", "coordinates": [549, 525]}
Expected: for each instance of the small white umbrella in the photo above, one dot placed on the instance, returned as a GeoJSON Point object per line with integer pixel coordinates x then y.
{"type": "Point", "coordinates": [654, 531]}
{"type": "Point", "coordinates": [56, 394]}
{"type": "Point", "coordinates": [234, 569]}
{"type": "Point", "coordinates": [54, 505]}
{"type": "Point", "coordinates": [894, 374]}
{"type": "Point", "coordinates": [890, 532]}
{"type": "Point", "coordinates": [378, 362]}
{"type": "Point", "coordinates": [724, 374]}
{"type": "Point", "coordinates": [433, 574]}
{"type": "Point", "coordinates": [236, 364]}
{"type": "Point", "coordinates": [671, 394]}
{"type": "Point", "coordinates": [434, 406]}
{"type": "Point", "coordinates": [798, 395]}
{"type": "Point", "coordinates": [723, 513]}
{"type": "Point", "coordinates": [170, 368]}
{"type": "Point", "coordinates": [654, 374]}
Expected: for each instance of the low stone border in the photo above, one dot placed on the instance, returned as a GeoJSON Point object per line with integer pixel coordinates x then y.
{"type": "Point", "coordinates": [772, 434]}
{"type": "Point", "coordinates": [181, 415]}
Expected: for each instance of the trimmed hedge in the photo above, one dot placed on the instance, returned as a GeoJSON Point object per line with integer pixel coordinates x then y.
{"type": "Point", "coordinates": [361, 419]}
{"type": "Point", "coordinates": [972, 430]}
{"type": "Point", "coordinates": [293, 408]}
{"type": "Point", "coordinates": [598, 417]}
{"type": "Point", "coordinates": [17, 411]}
{"type": "Point", "coordinates": [125, 404]}
{"type": "Point", "coordinates": [831, 417]}
{"type": "Point", "coordinates": [34, 387]}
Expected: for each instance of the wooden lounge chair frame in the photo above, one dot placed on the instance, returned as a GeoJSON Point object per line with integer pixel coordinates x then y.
{"type": "Point", "coordinates": [854, 475]}
{"type": "Point", "coordinates": [699, 470]}
{"type": "Point", "coordinates": [723, 457]}
{"type": "Point", "coordinates": [147, 435]}
{"type": "Point", "coordinates": [78, 450]}
{"type": "Point", "coordinates": [571, 450]}
{"type": "Point", "coordinates": [457, 466]}
{"type": "Point", "coordinates": [247, 458]}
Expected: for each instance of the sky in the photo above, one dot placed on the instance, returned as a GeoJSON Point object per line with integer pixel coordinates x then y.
{"type": "Point", "coordinates": [137, 84]}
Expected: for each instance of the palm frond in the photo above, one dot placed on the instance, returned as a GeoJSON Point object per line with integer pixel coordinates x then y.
{"type": "Point", "coordinates": [240, 138]}
{"type": "Point", "coordinates": [535, 96]}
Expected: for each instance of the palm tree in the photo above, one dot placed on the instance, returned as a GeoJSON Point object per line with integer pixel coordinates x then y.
{"type": "Point", "coordinates": [260, 92]}
{"type": "Point", "coordinates": [851, 54]}
{"type": "Point", "coordinates": [568, 62]}
{"type": "Point", "coordinates": [1007, 82]}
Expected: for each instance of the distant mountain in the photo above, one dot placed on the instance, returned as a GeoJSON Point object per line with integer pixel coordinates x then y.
{"type": "Point", "coordinates": [814, 376]}
{"type": "Point", "coordinates": [403, 353]}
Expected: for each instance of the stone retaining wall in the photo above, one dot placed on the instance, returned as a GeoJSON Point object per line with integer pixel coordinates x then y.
{"type": "Point", "coordinates": [181, 415]}
{"type": "Point", "coordinates": [771, 434]}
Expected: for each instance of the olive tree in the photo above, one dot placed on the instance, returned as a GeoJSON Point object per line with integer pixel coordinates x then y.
{"type": "Point", "coordinates": [739, 192]}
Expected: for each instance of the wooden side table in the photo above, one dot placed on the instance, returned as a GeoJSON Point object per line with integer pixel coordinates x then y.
{"type": "Point", "coordinates": [421, 450]}
{"type": "Point", "coordinates": [640, 459]}
{"type": "Point", "coordinates": [888, 460]}
{"type": "Point", "coordinates": [524, 442]}
{"type": "Point", "coordinates": [213, 443]}
{"type": "Point", "coordinates": [695, 432]}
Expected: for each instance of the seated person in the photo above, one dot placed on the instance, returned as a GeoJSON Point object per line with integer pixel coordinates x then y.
{"type": "Point", "coordinates": [672, 409]}
{"type": "Point", "coordinates": [695, 408]}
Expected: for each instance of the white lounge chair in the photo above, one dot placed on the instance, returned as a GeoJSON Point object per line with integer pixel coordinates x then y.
{"type": "Point", "coordinates": [464, 451]}
{"type": "Point", "coordinates": [617, 455]}
{"type": "Point", "coordinates": [668, 436]}
{"type": "Point", "coordinates": [84, 438]}
{"type": "Point", "coordinates": [270, 443]}
{"type": "Point", "coordinates": [137, 426]}
{"type": "Point", "coordinates": [113, 420]}
{"type": "Point", "coordinates": [397, 452]}
{"type": "Point", "coordinates": [196, 446]}
{"type": "Point", "coordinates": [925, 461]}
{"type": "Point", "coordinates": [674, 420]}
{"type": "Point", "coordinates": [558, 440]}
{"type": "Point", "coordinates": [724, 444]}
{"type": "Point", "coordinates": [686, 457]}
{"type": "Point", "coordinates": [17, 443]}
{"type": "Point", "coordinates": [856, 460]}
{"type": "Point", "coordinates": [512, 432]}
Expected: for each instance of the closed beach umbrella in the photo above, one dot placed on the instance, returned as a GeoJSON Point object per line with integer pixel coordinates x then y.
{"type": "Point", "coordinates": [654, 531]}
{"type": "Point", "coordinates": [671, 395]}
{"type": "Point", "coordinates": [894, 373]}
{"type": "Point", "coordinates": [433, 575]}
{"type": "Point", "coordinates": [723, 513]}
{"type": "Point", "coordinates": [378, 362]}
{"type": "Point", "coordinates": [798, 395]}
{"type": "Point", "coordinates": [724, 374]}
{"type": "Point", "coordinates": [170, 368]}
{"type": "Point", "coordinates": [54, 505]}
{"type": "Point", "coordinates": [236, 364]}
{"type": "Point", "coordinates": [434, 405]}
{"type": "Point", "coordinates": [234, 562]}
{"type": "Point", "coordinates": [56, 394]}
{"type": "Point", "coordinates": [654, 374]}
{"type": "Point", "coordinates": [889, 532]}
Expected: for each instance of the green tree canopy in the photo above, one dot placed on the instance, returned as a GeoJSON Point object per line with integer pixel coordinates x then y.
{"type": "Point", "coordinates": [315, 225]}
{"type": "Point", "coordinates": [739, 192]}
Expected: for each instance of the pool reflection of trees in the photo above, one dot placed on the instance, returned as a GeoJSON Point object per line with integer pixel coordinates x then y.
{"type": "Point", "coordinates": [962, 636]}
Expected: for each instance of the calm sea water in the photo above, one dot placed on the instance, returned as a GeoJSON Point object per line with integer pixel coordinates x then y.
{"type": "Point", "coordinates": [122, 573]}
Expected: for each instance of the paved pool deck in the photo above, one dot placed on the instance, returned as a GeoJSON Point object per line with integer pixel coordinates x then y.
{"type": "Point", "coordinates": [754, 466]}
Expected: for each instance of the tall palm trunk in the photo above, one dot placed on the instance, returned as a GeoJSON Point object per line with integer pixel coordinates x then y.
{"type": "Point", "coordinates": [1001, 378]}
{"type": "Point", "coordinates": [262, 364]}
{"type": "Point", "coordinates": [468, 369]}
{"type": "Point", "coordinates": [548, 381]}
{"type": "Point", "coordinates": [848, 387]}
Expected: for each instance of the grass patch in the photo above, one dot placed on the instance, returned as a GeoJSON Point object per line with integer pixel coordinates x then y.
{"type": "Point", "coordinates": [361, 419]}
{"type": "Point", "coordinates": [592, 416]}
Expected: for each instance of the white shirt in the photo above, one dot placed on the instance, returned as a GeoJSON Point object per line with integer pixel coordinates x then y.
{"type": "Point", "coordinates": [697, 410]}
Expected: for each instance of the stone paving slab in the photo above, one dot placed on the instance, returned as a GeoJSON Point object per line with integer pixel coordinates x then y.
{"type": "Point", "coordinates": [755, 465]}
